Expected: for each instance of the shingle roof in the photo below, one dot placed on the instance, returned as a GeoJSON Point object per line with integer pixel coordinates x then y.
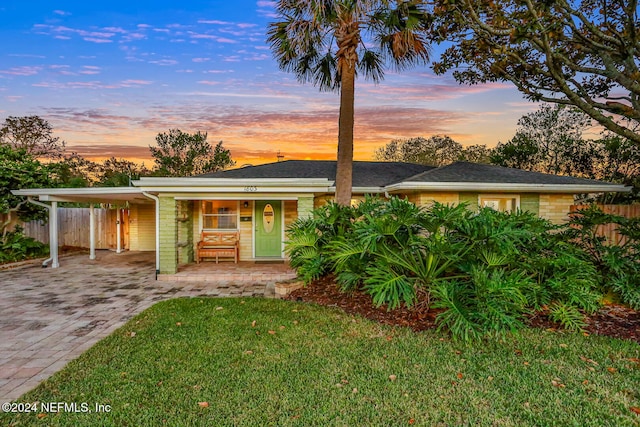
{"type": "Point", "coordinates": [482, 173]}
{"type": "Point", "coordinates": [365, 174]}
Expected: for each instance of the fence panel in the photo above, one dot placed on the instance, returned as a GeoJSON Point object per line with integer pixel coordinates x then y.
{"type": "Point", "coordinates": [73, 228]}
{"type": "Point", "coordinates": [610, 231]}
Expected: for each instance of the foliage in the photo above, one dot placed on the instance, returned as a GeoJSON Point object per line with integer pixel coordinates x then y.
{"type": "Point", "coordinates": [183, 154]}
{"type": "Point", "coordinates": [485, 269]}
{"type": "Point", "coordinates": [438, 150]}
{"type": "Point", "coordinates": [18, 169]}
{"type": "Point", "coordinates": [328, 43]}
{"type": "Point", "coordinates": [549, 140]}
{"type": "Point", "coordinates": [119, 172]}
{"type": "Point", "coordinates": [15, 246]}
{"type": "Point", "coordinates": [582, 53]}
{"type": "Point", "coordinates": [617, 262]}
{"type": "Point", "coordinates": [288, 364]}
{"type": "Point", "coordinates": [308, 239]}
{"type": "Point", "coordinates": [32, 134]}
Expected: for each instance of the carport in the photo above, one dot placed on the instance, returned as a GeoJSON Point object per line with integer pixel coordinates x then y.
{"type": "Point", "coordinates": [49, 198]}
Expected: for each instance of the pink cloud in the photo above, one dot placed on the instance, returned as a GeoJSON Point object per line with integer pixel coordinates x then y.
{"type": "Point", "coordinates": [22, 71]}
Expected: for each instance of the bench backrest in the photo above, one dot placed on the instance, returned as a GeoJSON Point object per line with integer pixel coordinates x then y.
{"type": "Point", "coordinates": [218, 238]}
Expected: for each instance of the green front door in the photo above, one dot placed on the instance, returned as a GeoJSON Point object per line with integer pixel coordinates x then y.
{"type": "Point", "coordinates": [268, 222]}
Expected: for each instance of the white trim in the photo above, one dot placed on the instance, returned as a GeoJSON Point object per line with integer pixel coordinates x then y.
{"type": "Point", "coordinates": [253, 229]}
{"type": "Point", "coordinates": [83, 191]}
{"type": "Point", "coordinates": [156, 201]}
{"type": "Point", "coordinates": [493, 187]}
{"type": "Point", "coordinates": [228, 182]}
{"type": "Point", "coordinates": [282, 228]}
{"type": "Point", "coordinates": [188, 189]}
{"type": "Point", "coordinates": [242, 196]}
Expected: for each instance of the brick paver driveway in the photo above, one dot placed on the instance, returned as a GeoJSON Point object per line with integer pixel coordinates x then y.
{"type": "Point", "coordinates": [50, 316]}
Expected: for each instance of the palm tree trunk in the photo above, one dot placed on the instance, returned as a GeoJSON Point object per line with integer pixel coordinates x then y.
{"type": "Point", "coordinates": [344, 170]}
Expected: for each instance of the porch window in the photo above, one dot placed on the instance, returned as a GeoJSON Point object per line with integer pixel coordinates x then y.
{"type": "Point", "coordinates": [220, 214]}
{"type": "Point", "coordinates": [500, 203]}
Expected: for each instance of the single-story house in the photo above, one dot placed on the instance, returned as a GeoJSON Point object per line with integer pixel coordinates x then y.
{"type": "Point", "coordinates": [168, 215]}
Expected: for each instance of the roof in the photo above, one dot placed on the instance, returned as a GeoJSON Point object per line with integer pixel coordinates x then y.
{"type": "Point", "coordinates": [365, 174]}
{"type": "Point", "coordinates": [476, 172]}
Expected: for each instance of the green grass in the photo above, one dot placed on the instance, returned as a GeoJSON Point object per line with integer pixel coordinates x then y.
{"type": "Point", "coordinates": [307, 371]}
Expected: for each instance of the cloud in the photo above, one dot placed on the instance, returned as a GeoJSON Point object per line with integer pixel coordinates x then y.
{"type": "Point", "coordinates": [13, 98]}
{"type": "Point", "coordinates": [164, 62]}
{"type": "Point", "coordinates": [92, 85]}
{"type": "Point", "coordinates": [213, 21]}
{"type": "Point", "coordinates": [208, 82]}
{"type": "Point", "coordinates": [430, 92]}
{"type": "Point", "coordinates": [62, 13]}
{"type": "Point", "coordinates": [22, 71]}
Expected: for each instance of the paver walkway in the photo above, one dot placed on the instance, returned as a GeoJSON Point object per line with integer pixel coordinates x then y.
{"type": "Point", "coordinates": [51, 316]}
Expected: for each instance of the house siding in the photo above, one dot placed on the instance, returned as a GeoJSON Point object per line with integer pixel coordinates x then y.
{"type": "Point", "coordinates": [184, 224]}
{"type": "Point", "coordinates": [305, 206]}
{"type": "Point", "coordinates": [555, 207]}
{"type": "Point", "coordinates": [168, 234]}
{"type": "Point", "coordinates": [246, 231]}
{"type": "Point", "coordinates": [428, 198]}
{"type": "Point", "coordinates": [530, 202]}
{"type": "Point", "coordinates": [142, 228]}
{"type": "Point", "coordinates": [471, 199]}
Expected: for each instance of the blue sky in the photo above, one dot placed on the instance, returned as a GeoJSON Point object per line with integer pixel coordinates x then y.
{"type": "Point", "coordinates": [109, 76]}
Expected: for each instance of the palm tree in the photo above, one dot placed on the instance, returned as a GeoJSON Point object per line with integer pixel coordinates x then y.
{"type": "Point", "coordinates": [328, 42]}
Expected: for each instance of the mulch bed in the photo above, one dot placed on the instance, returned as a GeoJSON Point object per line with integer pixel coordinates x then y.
{"type": "Point", "coordinates": [612, 320]}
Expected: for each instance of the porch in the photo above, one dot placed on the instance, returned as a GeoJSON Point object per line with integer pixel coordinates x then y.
{"type": "Point", "coordinates": [231, 274]}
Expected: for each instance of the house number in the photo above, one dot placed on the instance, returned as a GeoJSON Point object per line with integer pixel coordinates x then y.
{"type": "Point", "coordinates": [251, 188]}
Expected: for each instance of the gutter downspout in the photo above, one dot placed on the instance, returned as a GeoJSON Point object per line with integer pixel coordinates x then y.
{"type": "Point", "coordinates": [157, 200]}
{"type": "Point", "coordinates": [53, 232]}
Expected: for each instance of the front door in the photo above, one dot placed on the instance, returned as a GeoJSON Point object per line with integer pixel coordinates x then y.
{"type": "Point", "coordinates": [268, 222]}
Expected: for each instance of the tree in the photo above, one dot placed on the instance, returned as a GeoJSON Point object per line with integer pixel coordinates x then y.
{"type": "Point", "coordinates": [584, 53]}
{"type": "Point", "coordinates": [549, 140]}
{"type": "Point", "coordinates": [438, 150]}
{"type": "Point", "coordinates": [183, 154]}
{"type": "Point", "coordinates": [328, 42]}
{"type": "Point", "coordinates": [19, 169]}
{"type": "Point", "coordinates": [73, 171]}
{"type": "Point", "coordinates": [119, 172]}
{"type": "Point", "coordinates": [33, 134]}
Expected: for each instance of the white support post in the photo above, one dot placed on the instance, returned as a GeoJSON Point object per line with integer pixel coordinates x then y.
{"type": "Point", "coordinates": [53, 234]}
{"type": "Point", "coordinates": [92, 232]}
{"type": "Point", "coordinates": [118, 232]}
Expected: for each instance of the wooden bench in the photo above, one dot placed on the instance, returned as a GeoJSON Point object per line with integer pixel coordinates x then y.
{"type": "Point", "coordinates": [218, 244]}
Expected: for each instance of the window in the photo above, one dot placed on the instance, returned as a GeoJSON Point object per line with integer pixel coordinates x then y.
{"type": "Point", "coordinates": [502, 203]}
{"type": "Point", "coordinates": [219, 214]}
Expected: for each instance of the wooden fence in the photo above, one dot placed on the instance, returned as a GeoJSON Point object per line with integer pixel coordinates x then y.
{"type": "Point", "coordinates": [73, 228]}
{"type": "Point", "coordinates": [610, 231]}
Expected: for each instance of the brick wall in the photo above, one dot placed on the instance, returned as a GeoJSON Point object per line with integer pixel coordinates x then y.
{"type": "Point", "coordinates": [168, 259]}
{"type": "Point", "coordinates": [555, 207]}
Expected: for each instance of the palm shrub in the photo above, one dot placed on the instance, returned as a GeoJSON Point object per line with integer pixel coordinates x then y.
{"type": "Point", "coordinates": [308, 239]}
{"type": "Point", "coordinates": [486, 270]}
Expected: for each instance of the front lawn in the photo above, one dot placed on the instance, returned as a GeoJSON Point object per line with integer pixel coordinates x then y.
{"type": "Point", "coordinates": [269, 362]}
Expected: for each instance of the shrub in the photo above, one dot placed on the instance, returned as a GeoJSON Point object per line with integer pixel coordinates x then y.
{"type": "Point", "coordinates": [15, 246]}
{"type": "Point", "coordinates": [486, 269]}
{"type": "Point", "coordinates": [617, 262]}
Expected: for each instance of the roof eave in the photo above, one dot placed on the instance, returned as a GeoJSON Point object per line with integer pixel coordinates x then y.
{"type": "Point", "coordinates": [509, 187]}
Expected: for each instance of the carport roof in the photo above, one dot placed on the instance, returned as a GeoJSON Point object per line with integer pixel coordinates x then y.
{"type": "Point", "coordinates": [87, 194]}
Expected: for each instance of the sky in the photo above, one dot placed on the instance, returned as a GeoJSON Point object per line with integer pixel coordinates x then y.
{"type": "Point", "coordinates": [109, 76]}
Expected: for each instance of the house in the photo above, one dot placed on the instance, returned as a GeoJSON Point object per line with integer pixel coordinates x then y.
{"type": "Point", "coordinates": [168, 215]}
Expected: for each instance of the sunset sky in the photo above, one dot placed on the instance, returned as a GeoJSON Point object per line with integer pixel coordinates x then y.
{"type": "Point", "coordinates": [109, 76]}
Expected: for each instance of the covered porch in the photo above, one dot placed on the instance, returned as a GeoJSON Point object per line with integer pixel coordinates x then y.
{"type": "Point", "coordinates": [231, 274]}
